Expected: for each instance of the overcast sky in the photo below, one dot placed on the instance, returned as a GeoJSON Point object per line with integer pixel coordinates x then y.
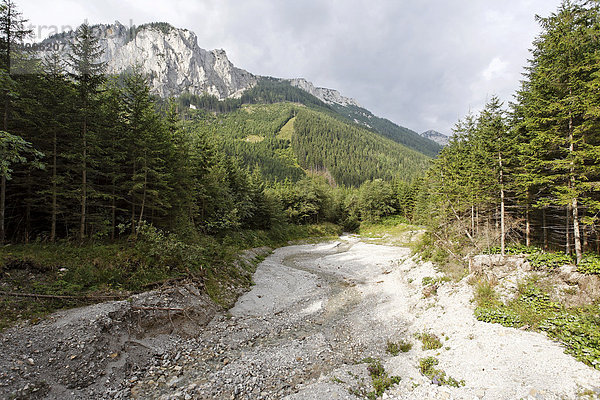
{"type": "Point", "coordinates": [421, 63]}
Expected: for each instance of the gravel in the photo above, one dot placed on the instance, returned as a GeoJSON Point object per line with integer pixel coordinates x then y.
{"type": "Point", "coordinates": [315, 312]}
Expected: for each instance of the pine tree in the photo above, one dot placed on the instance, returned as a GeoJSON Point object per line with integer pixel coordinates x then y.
{"type": "Point", "coordinates": [13, 150]}
{"type": "Point", "coordinates": [88, 75]}
{"type": "Point", "coordinates": [563, 66]}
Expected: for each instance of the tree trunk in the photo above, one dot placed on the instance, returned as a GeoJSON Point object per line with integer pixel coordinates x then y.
{"type": "Point", "coordinates": [502, 211]}
{"type": "Point", "coordinates": [2, 208]}
{"type": "Point", "coordinates": [472, 219]}
{"type": "Point", "coordinates": [574, 208]}
{"type": "Point", "coordinates": [576, 232]}
{"type": "Point", "coordinates": [527, 227]}
{"type": "Point", "coordinates": [568, 234]}
{"type": "Point", "coordinates": [83, 182]}
{"type": "Point", "coordinates": [545, 228]}
{"type": "Point", "coordinates": [133, 198]}
{"type": "Point", "coordinates": [113, 213]}
{"type": "Point", "coordinates": [143, 196]}
{"type": "Point", "coordinates": [54, 202]}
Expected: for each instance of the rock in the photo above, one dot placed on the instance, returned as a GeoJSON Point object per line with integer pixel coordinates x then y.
{"type": "Point", "coordinates": [170, 56]}
{"type": "Point", "coordinates": [329, 96]}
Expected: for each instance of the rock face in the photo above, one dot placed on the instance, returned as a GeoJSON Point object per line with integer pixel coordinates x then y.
{"type": "Point", "coordinates": [437, 137]}
{"type": "Point", "coordinates": [176, 64]}
{"type": "Point", "coordinates": [329, 96]}
{"type": "Point", "coordinates": [170, 56]}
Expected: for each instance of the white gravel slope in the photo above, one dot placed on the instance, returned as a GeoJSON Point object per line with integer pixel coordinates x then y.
{"type": "Point", "coordinates": [316, 310]}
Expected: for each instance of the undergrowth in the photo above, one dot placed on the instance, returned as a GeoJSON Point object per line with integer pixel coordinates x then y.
{"type": "Point", "coordinates": [576, 328]}
{"type": "Point", "coordinates": [437, 376]}
{"type": "Point", "coordinates": [430, 341]}
{"type": "Point", "coordinates": [100, 269]}
{"type": "Point", "coordinates": [540, 260]}
{"type": "Point", "coordinates": [394, 348]}
{"type": "Point", "coordinates": [380, 380]}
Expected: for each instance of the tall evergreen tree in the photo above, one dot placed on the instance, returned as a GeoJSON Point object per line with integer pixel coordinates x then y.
{"type": "Point", "coordinates": [88, 73]}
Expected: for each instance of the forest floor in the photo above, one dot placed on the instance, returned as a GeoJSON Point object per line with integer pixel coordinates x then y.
{"type": "Point", "coordinates": [343, 319]}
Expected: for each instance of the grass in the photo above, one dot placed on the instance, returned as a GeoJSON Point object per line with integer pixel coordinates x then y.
{"type": "Point", "coordinates": [254, 138]}
{"type": "Point", "coordinates": [130, 266]}
{"type": "Point", "coordinates": [394, 348]}
{"type": "Point", "coordinates": [427, 366]}
{"type": "Point", "coordinates": [429, 248]}
{"type": "Point", "coordinates": [430, 341]}
{"type": "Point", "coordinates": [287, 130]}
{"type": "Point", "coordinates": [393, 230]}
{"type": "Point", "coordinates": [380, 380]}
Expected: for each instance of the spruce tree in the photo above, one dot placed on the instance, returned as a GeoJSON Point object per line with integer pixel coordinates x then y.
{"type": "Point", "coordinates": [88, 73]}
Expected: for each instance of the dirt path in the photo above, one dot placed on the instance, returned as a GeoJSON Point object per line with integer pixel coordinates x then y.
{"type": "Point", "coordinates": [317, 310]}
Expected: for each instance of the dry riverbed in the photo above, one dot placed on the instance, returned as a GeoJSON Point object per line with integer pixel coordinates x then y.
{"type": "Point", "coordinates": [317, 310]}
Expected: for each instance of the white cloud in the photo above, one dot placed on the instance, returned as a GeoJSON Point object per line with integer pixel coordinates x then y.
{"type": "Point", "coordinates": [495, 69]}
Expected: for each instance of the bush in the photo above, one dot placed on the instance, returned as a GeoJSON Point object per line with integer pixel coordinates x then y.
{"type": "Point", "coordinates": [394, 348]}
{"type": "Point", "coordinates": [437, 376]}
{"type": "Point", "coordinates": [430, 341]}
{"type": "Point", "coordinates": [590, 264]}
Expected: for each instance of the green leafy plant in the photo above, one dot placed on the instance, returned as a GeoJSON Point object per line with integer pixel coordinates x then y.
{"type": "Point", "coordinates": [437, 376]}
{"type": "Point", "coordinates": [380, 380]}
{"type": "Point", "coordinates": [576, 328]}
{"type": "Point", "coordinates": [430, 341]}
{"type": "Point", "coordinates": [590, 264]}
{"type": "Point", "coordinates": [394, 348]}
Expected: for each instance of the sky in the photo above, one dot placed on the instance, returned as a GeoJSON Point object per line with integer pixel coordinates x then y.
{"type": "Point", "coordinates": [423, 64]}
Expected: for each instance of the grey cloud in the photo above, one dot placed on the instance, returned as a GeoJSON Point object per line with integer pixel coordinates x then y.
{"type": "Point", "coordinates": [418, 63]}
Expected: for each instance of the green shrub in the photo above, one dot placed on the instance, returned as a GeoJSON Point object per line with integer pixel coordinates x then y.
{"type": "Point", "coordinates": [485, 295]}
{"type": "Point", "coordinates": [380, 380]}
{"type": "Point", "coordinates": [430, 341]}
{"type": "Point", "coordinates": [394, 348]}
{"type": "Point", "coordinates": [438, 376]}
{"type": "Point", "coordinates": [576, 328]}
{"type": "Point", "coordinates": [541, 261]}
{"type": "Point", "coordinates": [590, 264]}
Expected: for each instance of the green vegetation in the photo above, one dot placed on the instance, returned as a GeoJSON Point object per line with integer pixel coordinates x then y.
{"type": "Point", "coordinates": [576, 328]}
{"type": "Point", "coordinates": [394, 348]}
{"type": "Point", "coordinates": [528, 174]}
{"type": "Point", "coordinates": [590, 264]}
{"type": "Point", "coordinates": [430, 340]}
{"type": "Point", "coordinates": [437, 376]}
{"type": "Point", "coordinates": [389, 129]}
{"type": "Point", "coordinates": [428, 280]}
{"type": "Point", "coordinates": [380, 380]}
{"type": "Point", "coordinates": [351, 154]}
{"type": "Point", "coordinates": [96, 271]}
{"type": "Point", "coordinates": [540, 260]}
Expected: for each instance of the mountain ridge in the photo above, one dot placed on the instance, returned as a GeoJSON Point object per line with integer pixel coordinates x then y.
{"type": "Point", "coordinates": [177, 65]}
{"type": "Point", "coordinates": [436, 136]}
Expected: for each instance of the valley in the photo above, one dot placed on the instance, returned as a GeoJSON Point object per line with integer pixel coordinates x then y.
{"type": "Point", "coordinates": [173, 226]}
{"type": "Point", "coordinates": [317, 320]}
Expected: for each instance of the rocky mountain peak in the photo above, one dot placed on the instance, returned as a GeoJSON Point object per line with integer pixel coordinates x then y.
{"type": "Point", "coordinates": [171, 57]}
{"type": "Point", "coordinates": [329, 96]}
{"type": "Point", "coordinates": [437, 137]}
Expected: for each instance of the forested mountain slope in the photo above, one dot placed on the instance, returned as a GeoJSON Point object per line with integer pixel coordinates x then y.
{"type": "Point", "coordinates": [286, 139]}
{"type": "Point", "coordinates": [177, 66]}
{"type": "Point", "coordinates": [389, 129]}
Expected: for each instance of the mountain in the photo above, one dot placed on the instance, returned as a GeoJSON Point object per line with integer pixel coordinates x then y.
{"type": "Point", "coordinates": [286, 141]}
{"type": "Point", "coordinates": [171, 57]}
{"type": "Point", "coordinates": [328, 96]}
{"type": "Point", "coordinates": [177, 65]}
{"type": "Point", "coordinates": [436, 136]}
{"type": "Point", "coordinates": [389, 129]}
